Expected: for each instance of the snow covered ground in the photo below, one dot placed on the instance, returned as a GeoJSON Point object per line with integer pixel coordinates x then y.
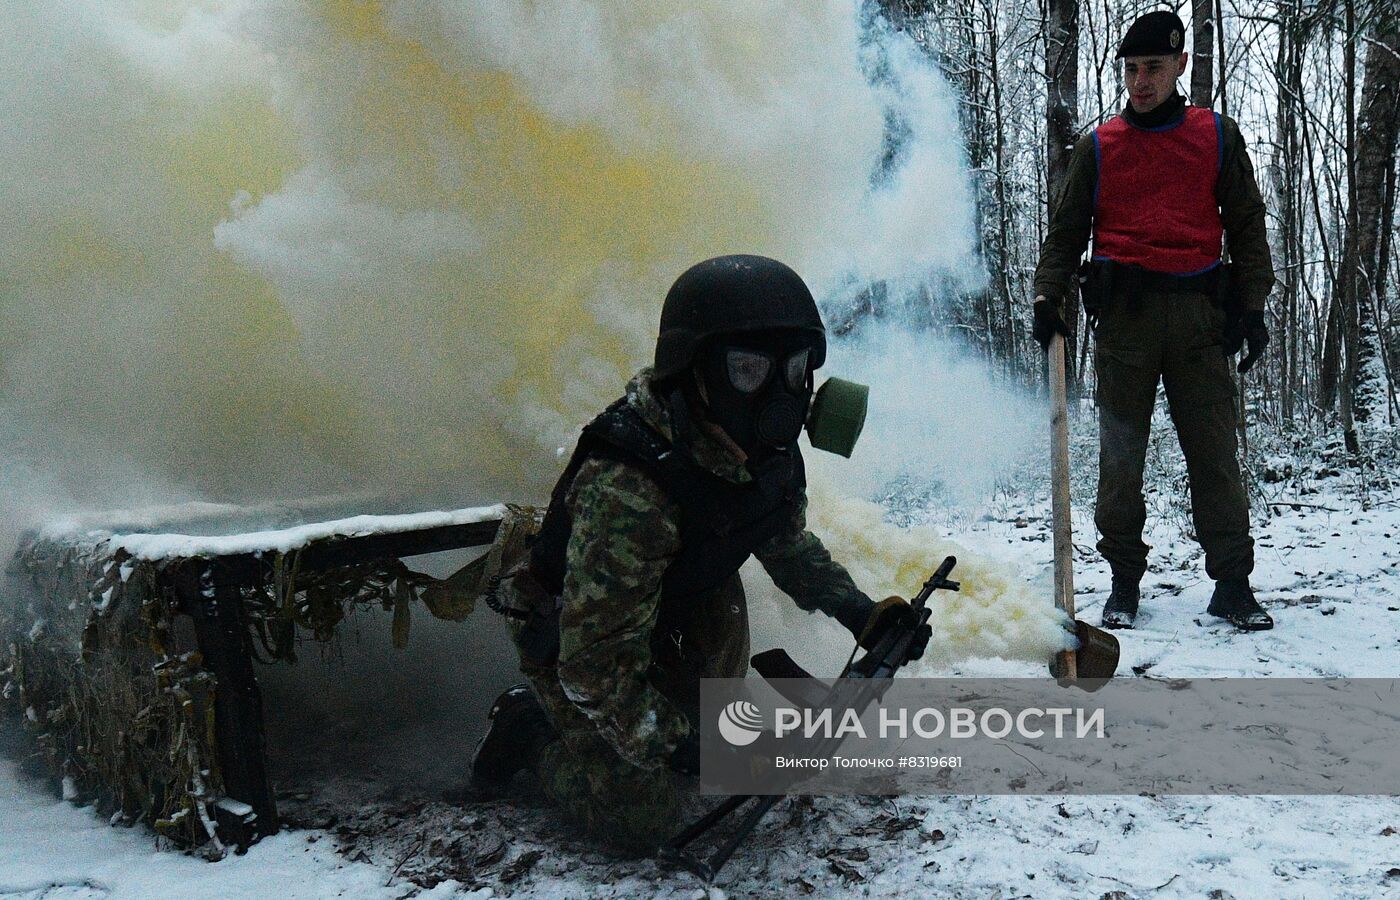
{"type": "Point", "coordinates": [1328, 570]}
{"type": "Point", "coordinates": [50, 849]}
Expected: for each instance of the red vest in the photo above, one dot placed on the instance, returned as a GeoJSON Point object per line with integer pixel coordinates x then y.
{"type": "Point", "coordinates": [1154, 203]}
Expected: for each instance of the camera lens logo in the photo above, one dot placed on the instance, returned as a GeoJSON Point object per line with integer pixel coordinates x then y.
{"type": "Point", "coordinates": [740, 723]}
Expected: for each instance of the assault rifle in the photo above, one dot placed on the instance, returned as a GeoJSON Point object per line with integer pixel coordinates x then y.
{"type": "Point", "coordinates": [874, 671]}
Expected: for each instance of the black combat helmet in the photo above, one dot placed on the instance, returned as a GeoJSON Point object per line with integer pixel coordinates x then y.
{"type": "Point", "coordinates": [733, 295]}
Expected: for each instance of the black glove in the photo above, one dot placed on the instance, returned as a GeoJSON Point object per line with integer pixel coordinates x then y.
{"type": "Point", "coordinates": [685, 759]}
{"type": "Point", "coordinates": [1247, 327]}
{"type": "Point", "coordinates": [891, 613]}
{"type": "Point", "coordinates": [1047, 321]}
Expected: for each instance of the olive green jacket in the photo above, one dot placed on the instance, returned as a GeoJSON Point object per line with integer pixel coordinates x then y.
{"type": "Point", "coordinates": [1241, 212]}
{"type": "Point", "coordinates": [626, 532]}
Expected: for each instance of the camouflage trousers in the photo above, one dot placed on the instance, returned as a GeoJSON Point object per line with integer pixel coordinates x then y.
{"type": "Point", "coordinates": [1174, 339]}
{"type": "Point", "coordinates": [629, 809]}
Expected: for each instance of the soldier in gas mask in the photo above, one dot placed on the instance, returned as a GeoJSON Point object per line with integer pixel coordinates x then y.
{"type": "Point", "coordinates": [631, 593]}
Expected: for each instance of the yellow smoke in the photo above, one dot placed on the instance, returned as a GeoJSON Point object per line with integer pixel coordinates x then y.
{"type": "Point", "coordinates": [257, 248]}
{"type": "Point", "coordinates": [995, 614]}
{"type": "Point", "coordinates": [506, 257]}
{"type": "Point", "coordinates": [261, 248]}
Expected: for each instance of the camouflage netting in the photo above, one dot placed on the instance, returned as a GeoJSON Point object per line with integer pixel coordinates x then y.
{"type": "Point", "coordinates": [106, 675]}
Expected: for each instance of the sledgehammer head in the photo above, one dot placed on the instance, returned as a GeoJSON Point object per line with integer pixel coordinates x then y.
{"type": "Point", "coordinates": [1094, 662]}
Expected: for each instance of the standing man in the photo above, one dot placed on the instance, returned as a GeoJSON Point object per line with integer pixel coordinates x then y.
{"type": "Point", "coordinates": [1157, 187]}
{"type": "Point", "coordinates": [631, 593]}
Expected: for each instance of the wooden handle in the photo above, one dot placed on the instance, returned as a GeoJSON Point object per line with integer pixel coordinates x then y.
{"type": "Point", "coordinates": [1059, 493]}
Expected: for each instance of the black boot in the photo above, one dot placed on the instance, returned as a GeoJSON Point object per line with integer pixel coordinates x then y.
{"type": "Point", "coordinates": [1120, 611]}
{"type": "Point", "coordinates": [1234, 601]}
{"type": "Point", "coordinates": [518, 731]}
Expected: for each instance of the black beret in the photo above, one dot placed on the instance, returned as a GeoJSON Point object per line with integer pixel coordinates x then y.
{"type": "Point", "coordinates": [1156, 34]}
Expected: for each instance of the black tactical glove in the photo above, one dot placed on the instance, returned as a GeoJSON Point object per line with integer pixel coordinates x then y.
{"type": "Point", "coordinates": [891, 613]}
{"type": "Point", "coordinates": [1247, 327]}
{"type": "Point", "coordinates": [1047, 321]}
{"type": "Point", "coordinates": [685, 759]}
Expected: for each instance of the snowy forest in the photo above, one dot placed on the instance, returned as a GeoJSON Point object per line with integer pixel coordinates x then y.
{"type": "Point", "coordinates": [1314, 88]}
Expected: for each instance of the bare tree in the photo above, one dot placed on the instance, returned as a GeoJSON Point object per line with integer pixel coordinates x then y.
{"type": "Point", "coordinates": [1061, 117]}
{"type": "Point", "coordinates": [1286, 177]}
{"type": "Point", "coordinates": [1202, 45]}
{"type": "Point", "coordinates": [1374, 203]}
{"type": "Point", "coordinates": [1345, 293]}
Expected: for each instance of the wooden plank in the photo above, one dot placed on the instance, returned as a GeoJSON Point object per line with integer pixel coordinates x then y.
{"type": "Point", "coordinates": [225, 645]}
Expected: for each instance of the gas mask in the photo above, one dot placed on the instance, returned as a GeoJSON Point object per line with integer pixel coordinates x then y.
{"type": "Point", "coordinates": [760, 393]}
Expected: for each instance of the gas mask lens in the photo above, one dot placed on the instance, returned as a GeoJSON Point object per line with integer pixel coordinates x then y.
{"type": "Point", "coordinates": [748, 370]}
{"type": "Point", "coordinates": [795, 370]}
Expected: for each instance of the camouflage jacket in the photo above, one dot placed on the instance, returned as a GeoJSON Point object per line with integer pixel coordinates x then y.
{"type": "Point", "coordinates": [625, 533]}
{"type": "Point", "coordinates": [1241, 212]}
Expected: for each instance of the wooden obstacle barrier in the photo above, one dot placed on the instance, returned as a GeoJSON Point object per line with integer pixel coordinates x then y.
{"type": "Point", "coordinates": [130, 656]}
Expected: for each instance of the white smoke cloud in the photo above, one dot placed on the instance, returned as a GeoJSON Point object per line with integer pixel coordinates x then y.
{"type": "Point", "coordinates": [313, 234]}
{"type": "Point", "coordinates": [936, 414]}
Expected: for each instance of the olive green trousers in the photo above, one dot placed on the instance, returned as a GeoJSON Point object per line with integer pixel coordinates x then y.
{"type": "Point", "coordinates": [1173, 338]}
{"type": "Point", "coordinates": [626, 808]}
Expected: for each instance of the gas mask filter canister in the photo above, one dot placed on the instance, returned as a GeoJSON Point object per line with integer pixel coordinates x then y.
{"type": "Point", "coordinates": [838, 416]}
